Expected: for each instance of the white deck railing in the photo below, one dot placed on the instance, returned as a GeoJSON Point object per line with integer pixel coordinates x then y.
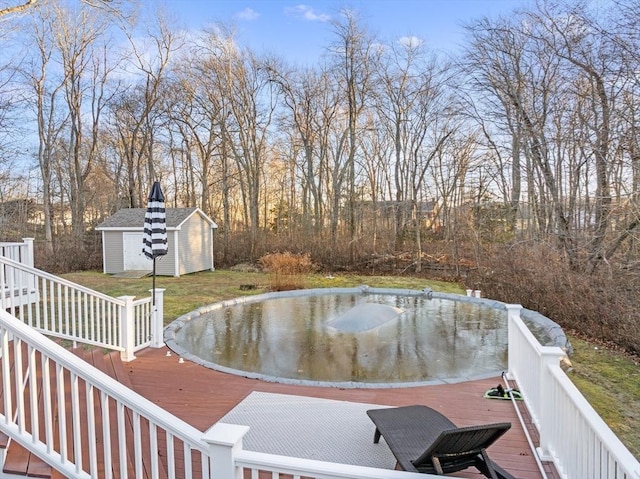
{"type": "Point", "coordinates": [20, 252]}
{"type": "Point", "coordinates": [118, 422]}
{"type": "Point", "coordinates": [62, 309]}
{"type": "Point", "coordinates": [572, 434]}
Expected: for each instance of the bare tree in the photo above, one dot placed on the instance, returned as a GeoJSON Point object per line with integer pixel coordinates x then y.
{"type": "Point", "coordinates": [376, 150]}
{"type": "Point", "coordinates": [17, 8]}
{"type": "Point", "coordinates": [245, 108]}
{"type": "Point", "coordinates": [119, 7]}
{"type": "Point", "coordinates": [522, 79]}
{"type": "Point", "coordinates": [51, 116]}
{"type": "Point", "coordinates": [202, 128]}
{"type": "Point", "coordinates": [136, 111]}
{"type": "Point", "coordinates": [412, 108]}
{"type": "Point", "coordinates": [574, 38]}
{"type": "Point", "coordinates": [11, 133]}
{"type": "Point", "coordinates": [312, 105]}
{"type": "Point", "coordinates": [82, 46]}
{"type": "Point", "coordinates": [554, 77]}
{"type": "Point", "coordinates": [355, 53]}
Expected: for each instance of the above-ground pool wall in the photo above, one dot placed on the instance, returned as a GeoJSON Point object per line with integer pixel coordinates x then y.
{"type": "Point", "coordinates": [549, 333]}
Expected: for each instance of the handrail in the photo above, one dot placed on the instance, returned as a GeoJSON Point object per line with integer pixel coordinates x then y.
{"type": "Point", "coordinates": [63, 309]}
{"type": "Point", "coordinates": [232, 461]}
{"type": "Point", "coordinates": [297, 467]}
{"type": "Point", "coordinates": [150, 423]}
{"type": "Point", "coordinates": [58, 279]}
{"type": "Point", "coordinates": [614, 459]}
{"type": "Point", "coordinates": [580, 444]}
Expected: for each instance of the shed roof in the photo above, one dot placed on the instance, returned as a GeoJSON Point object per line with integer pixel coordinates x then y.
{"type": "Point", "coordinates": [127, 218]}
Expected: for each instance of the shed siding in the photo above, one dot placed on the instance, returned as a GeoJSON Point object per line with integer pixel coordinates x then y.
{"type": "Point", "coordinates": [195, 245]}
{"type": "Point", "coordinates": [165, 264]}
{"type": "Point", "coordinates": [113, 252]}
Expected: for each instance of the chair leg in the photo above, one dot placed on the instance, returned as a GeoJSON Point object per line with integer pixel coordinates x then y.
{"type": "Point", "coordinates": [490, 469]}
{"type": "Point", "coordinates": [502, 474]}
{"type": "Point", "coordinates": [376, 436]}
{"type": "Point", "coordinates": [486, 468]}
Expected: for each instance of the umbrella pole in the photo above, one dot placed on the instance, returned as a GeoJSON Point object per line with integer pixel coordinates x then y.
{"type": "Point", "coordinates": [153, 300]}
{"type": "Point", "coordinates": [153, 293]}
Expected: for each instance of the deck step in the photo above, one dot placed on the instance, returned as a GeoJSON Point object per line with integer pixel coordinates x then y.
{"type": "Point", "coordinates": [18, 461]}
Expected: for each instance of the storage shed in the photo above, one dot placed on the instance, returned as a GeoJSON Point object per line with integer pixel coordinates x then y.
{"type": "Point", "coordinates": [189, 242]}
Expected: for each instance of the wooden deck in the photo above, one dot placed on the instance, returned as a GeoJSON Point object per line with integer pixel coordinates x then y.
{"type": "Point", "coordinates": [201, 396]}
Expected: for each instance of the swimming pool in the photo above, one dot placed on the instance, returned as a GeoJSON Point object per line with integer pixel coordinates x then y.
{"type": "Point", "coordinates": [351, 337]}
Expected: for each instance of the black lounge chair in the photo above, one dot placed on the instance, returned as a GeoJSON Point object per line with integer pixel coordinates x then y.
{"type": "Point", "coordinates": [423, 440]}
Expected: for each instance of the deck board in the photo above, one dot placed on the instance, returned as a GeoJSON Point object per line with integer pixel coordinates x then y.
{"type": "Point", "coordinates": [201, 396]}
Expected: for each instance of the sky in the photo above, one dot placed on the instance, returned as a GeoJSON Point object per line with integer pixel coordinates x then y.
{"type": "Point", "coordinates": [300, 30]}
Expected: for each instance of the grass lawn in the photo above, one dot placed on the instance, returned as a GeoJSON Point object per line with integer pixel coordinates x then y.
{"type": "Point", "coordinates": [609, 380]}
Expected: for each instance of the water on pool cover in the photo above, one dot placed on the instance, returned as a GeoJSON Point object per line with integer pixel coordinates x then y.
{"type": "Point", "coordinates": [352, 338]}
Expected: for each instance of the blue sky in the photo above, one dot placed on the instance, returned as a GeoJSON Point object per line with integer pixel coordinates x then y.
{"type": "Point", "coordinates": [299, 29]}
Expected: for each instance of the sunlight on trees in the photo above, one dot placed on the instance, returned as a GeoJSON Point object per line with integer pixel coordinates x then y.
{"type": "Point", "coordinates": [378, 149]}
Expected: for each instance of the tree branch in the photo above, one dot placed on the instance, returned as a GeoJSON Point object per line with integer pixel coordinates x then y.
{"type": "Point", "coordinates": [17, 8]}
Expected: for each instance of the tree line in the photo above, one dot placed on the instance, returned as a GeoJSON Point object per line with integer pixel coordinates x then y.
{"type": "Point", "coordinates": [528, 133]}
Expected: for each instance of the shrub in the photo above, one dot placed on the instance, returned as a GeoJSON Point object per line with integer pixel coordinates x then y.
{"type": "Point", "coordinates": [286, 270]}
{"type": "Point", "coordinates": [602, 305]}
{"type": "Point", "coordinates": [70, 254]}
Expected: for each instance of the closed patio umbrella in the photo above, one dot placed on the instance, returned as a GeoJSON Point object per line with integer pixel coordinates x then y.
{"type": "Point", "coordinates": [155, 231]}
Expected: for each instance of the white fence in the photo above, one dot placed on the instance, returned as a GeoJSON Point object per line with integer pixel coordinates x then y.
{"type": "Point", "coordinates": [62, 309]}
{"type": "Point", "coordinates": [572, 434]}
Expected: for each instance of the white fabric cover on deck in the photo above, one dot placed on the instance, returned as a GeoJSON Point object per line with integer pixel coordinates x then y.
{"type": "Point", "coordinates": [310, 428]}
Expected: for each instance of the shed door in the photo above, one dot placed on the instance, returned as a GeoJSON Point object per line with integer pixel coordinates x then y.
{"type": "Point", "coordinates": [134, 258]}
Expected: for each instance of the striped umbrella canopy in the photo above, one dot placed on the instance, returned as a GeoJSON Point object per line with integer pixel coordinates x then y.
{"type": "Point", "coordinates": [155, 231]}
{"type": "Point", "coordinates": [155, 224]}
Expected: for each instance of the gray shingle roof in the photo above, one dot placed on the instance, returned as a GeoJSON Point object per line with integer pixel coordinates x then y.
{"type": "Point", "coordinates": [134, 217]}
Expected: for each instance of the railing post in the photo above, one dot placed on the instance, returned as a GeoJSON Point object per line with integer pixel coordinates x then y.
{"type": "Point", "coordinates": [224, 441]}
{"type": "Point", "coordinates": [29, 257]}
{"type": "Point", "coordinates": [127, 329]}
{"type": "Point", "coordinates": [549, 357]}
{"type": "Point", "coordinates": [513, 313]}
{"type": "Point", "coordinates": [157, 319]}
{"type": "Point", "coordinates": [29, 261]}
